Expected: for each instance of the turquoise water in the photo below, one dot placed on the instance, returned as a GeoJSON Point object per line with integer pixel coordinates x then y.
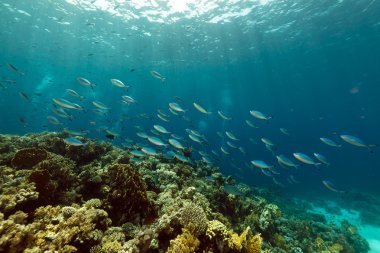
{"type": "Point", "coordinates": [312, 66]}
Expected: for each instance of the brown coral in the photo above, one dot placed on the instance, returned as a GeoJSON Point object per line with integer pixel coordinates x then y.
{"type": "Point", "coordinates": [127, 197]}
{"type": "Point", "coordinates": [28, 157]}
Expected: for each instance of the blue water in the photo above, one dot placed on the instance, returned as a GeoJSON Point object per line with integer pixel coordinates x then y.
{"type": "Point", "coordinates": [311, 65]}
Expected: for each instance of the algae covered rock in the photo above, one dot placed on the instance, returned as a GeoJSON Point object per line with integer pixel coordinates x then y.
{"type": "Point", "coordinates": [28, 157]}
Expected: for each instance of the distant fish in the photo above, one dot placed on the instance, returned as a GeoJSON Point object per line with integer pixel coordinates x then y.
{"type": "Point", "coordinates": [54, 120]}
{"type": "Point", "coordinates": [24, 96]}
{"type": "Point", "coordinates": [357, 142]}
{"type": "Point", "coordinates": [284, 161]}
{"type": "Point", "coordinates": [100, 105]}
{"type": "Point", "coordinates": [60, 112]}
{"type": "Point", "coordinates": [73, 141]}
{"type": "Point", "coordinates": [223, 116]}
{"type": "Point", "coordinates": [84, 81]}
{"type": "Point", "coordinates": [322, 159]}
{"type": "Point", "coordinates": [261, 164]}
{"type": "Point", "coordinates": [142, 135]}
{"type": "Point", "coordinates": [176, 107]}
{"type": "Point", "coordinates": [156, 141]}
{"type": "Point", "coordinates": [231, 145]}
{"type": "Point", "coordinates": [162, 118]}
{"type": "Point", "coordinates": [175, 143]}
{"type": "Point", "coordinates": [224, 151]}
{"type": "Point", "coordinates": [284, 131]}
{"type": "Point", "coordinates": [231, 136]}
{"type": "Point", "coordinates": [259, 115]}
{"type": "Point", "coordinates": [200, 108]}
{"type": "Point", "coordinates": [305, 159]}
{"type": "Point", "coordinates": [161, 129]}
{"type": "Point", "coordinates": [267, 141]}
{"type": "Point", "coordinates": [249, 123]}
{"type": "Point", "coordinates": [14, 69]}
{"type": "Point", "coordinates": [73, 93]}
{"type": "Point", "coordinates": [331, 186]}
{"type": "Point", "coordinates": [119, 83]}
{"type": "Point", "coordinates": [157, 75]}
{"type": "Point", "coordinates": [329, 142]}
{"type": "Point", "coordinates": [271, 148]}
{"type": "Point", "coordinates": [64, 103]}
{"type": "Point", "coordinates": [128, 100]}
{"type": "Point", "coordinates": [195, 138]}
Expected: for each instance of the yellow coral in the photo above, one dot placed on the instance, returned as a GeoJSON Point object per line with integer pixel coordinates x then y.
{"type": "Point", "coordinates": [184, 243]}
{"type": "Point", "coordinates": [319, 242]}
{"type": "Point", "coordinates": [335, 248]}
{"type": "Point", "coordinates": [237, 242]}
{"type": "Point", "coordinates": [253, 244]}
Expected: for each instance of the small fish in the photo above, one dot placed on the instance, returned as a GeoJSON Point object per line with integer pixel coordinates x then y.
{"type": "Point", "coordinates": [322, 159]}
{"type": "Point", "coordinates": [128, 100]}
{"type": "Point", "coordinates": [249, 123]}
{"type": "Point", "coordinates": [176, 107]}
{"type": "Point", "coordinates": [329, 142]}
{"type": "Point", "coordinates": [60, 112]}
{"type": "Point", "coordinates": [162, 118]}
{"type": "Point", "coordinates": [305, 159]}
{"type": "Point", "coordinates": [284, 131]}
{"type": "Point", "coordinates": [157, 75]}
{"type": "Point", "coordinates": [201, 109]}
{"type": "Point", "coordinates": [231, 136]}
{"type": "Point", "coordinates": [137, 153]}
{"type": "Point", "coordinates": [24, 96]}
{"type": "Point", "coordinates": [224, 151]}
{"type": "Point", "coordinates": [267, 141]}
{"type": "Point", "coordinates": [54, 120]}
{"type": "Point", "coordinates": [161, 129]}
{"type": "Point", "coordinates": [64, 103]}
{"type": "Point", "coordinates": [84, 81]}
{"type": "Point", "coordinates": [175, 143]}
{"type": "Point", "coordinates": [331, 186]}
{"type": "Point", "coordinates": [73, 93]}
{"type": "Point", "coordinates": [223, 116]}
{"type": "Point", "coordinates": [357, 142]}
{"type": "Point", "coordinates": [142, 135]}
{"type": "Point", "coordinates": [119, 83]}
{"type": "Point", "coordinates": [284, 161]}
{"type": "Point", "coordinates": [271, 148]}
{"type": "Point", "coordinates": [100, 105]}
{"type": "Point", "coordinates": [259, 115]}
{"type": "Point", "coordinates": [156, 141]}
{"type": "Point", "coordinates": [73, 142]}
{"type": "Point", "coordinates": [195, 138]}
{"type": "Point", "coordinates": [182, 158]}
{"type": "Point", "coordinates": [231, 145]}
{"type": "Point", "coordinates": [149, 151]}
{"type": "Point", "coordinates": [13, 68]}
{"type": "Point", "coordinates": [261, 164]}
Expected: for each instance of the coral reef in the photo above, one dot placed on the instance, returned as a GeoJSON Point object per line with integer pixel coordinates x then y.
{"type": "Point", "coordinates": [94, 198]}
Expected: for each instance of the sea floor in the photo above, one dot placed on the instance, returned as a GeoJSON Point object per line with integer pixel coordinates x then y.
{"type": "Point", "coordinates": [369, 232]}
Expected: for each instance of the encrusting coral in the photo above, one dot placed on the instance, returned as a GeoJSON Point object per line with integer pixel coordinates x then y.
{"type": "Point", "coordinates": [60, 198]}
